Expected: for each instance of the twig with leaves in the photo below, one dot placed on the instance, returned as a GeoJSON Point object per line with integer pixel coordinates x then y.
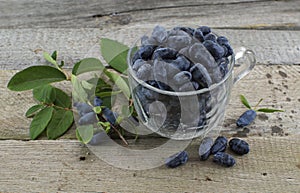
{"type": "Point", "coordinates": [54, 113]}
{"type": "Point", "coordinates": [248, 116]}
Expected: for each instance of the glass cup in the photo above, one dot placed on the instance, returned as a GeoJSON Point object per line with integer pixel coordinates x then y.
{"type": "Point", "coordinates": [185, 114]}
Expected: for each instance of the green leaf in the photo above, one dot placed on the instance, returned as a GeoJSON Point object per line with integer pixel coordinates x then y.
{"type": "Point", "coordinates": [101, 84]}
{"type": "Point", "coordinates": [50, 59]}
{"type": "Point", "coordinates": [114, 53]}
{"type": "Point", "coordinates": [33, 110]}
{"type": "Point", "coordinates": [87, 65]}
{"type": "Point", "coordinates": [62, 63]}
{"type": "Point", "coordinates": [97, 109]}
{"type": "Point", "coordinates": [109, 93]}
{"type": "Point", "coordinates": [244, 101]}
{"type": "Point", "coordinates": [78, 136]}
{"type": "Point", "coordinates": [108, 101]}
{"type": "Point", "coordinates": [35, 76]}
{"type": "Point", "coordinates": [119, 81]}
{"type": "Point", "coordinates": [106, 126]}
{"type": "Point", "coordinates": [79, 93]}
{"type": "Point", "coordinates": [44, 94]}
{"type": "Point", "coordinates": [62, 99]}
{"type": "Point", "coordinates": [40, 122]}
{"type": "Point", "coordinates": [127, 110]}
{"type": "Point", "coordinates": [85, 84]}
{"type": "Point", "coordinates": [119, 63]}
{"type": "Point", "coordinates": [60, 123]}
{"type": "Point", "coordinates": [85, 133]}
{"type": "Point", "coordinates": [266, 110]}
{"type": "Point", "coordinates": [54, 55]}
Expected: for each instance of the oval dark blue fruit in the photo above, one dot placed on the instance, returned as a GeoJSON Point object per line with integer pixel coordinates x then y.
{"type": "Point", "coordinates": [229, 50]}
{"type": "Point", "coordinates": [239, 146]}
{"type": "Point", "coordinates": [109, 115]}
{"type": "Point", "coordinates": [222, 40]}
{"type": "Point", "coordinates": [144, 72]}
{"type": "Point", "coordinates": [198, 35]}
{"type": "Point", "coordinates": [219, 145]}
{"type": "Point", "coordinates": [201, 75]}
{"type": "Point", "coordinates": [182, 63]}
{"type": "Point", "coordinates": [224, 159]}
{"type": "Point", "coordinates": [138, 63]}
{"type": "Point", "coordinates": [246, 118]}
{"type": "Point", "coordinates": [205, 29]}
{"type": "Point", "coordinates": [83, 108]}
{"type": "Point", "coordinates": [205, 147]}
{"type": "Point", "coordinates": [188, 30]}
{"type": "Point", "coordinates": [88, 118]}
{"type": "Point", "coordinates": [98, 138]}
{"type": "Point", "coordinates": [165, 53]}
{"type": "Point", "coordinates": [145, 52]}
{"type": "Point", "coordinates": [214, 48]}
{"type": "Point", "coordinates": [97, 101]}
{"type": "Point", "coordinates": [211, 37]}
{"type": "Point", "coordinates": [177, 159]}
{"type": "Point", "coordinates": [182, 77]}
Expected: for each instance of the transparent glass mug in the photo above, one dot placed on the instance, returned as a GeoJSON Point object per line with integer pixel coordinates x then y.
{"type": "Point", "coordinates": [186, 114]}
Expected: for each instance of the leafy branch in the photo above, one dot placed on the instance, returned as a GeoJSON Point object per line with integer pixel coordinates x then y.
{"type": "Point", "coordinates": [54, 113]}
{"type": "Point", "coordinates": [249, 116]}
{"type": "Point", "coordinates": [264, 110]}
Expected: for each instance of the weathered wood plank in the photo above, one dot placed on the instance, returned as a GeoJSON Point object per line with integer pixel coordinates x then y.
{"type": "Point", "coordinates": [20, 48]}
{"type": "Point", "coordinates": [273, 165]}
{"type": "Point", "coordinates": [238, 13]}
{"type": "Point", "coordinates": [278, 85]}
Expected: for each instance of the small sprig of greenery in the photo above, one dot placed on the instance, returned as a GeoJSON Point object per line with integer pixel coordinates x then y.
{"type": "Point", "coordinates": [54, 112]}
{"type": "Point", "coordinates": [249, 116]}
{"type": "Point", "coordinates": [264, 110]}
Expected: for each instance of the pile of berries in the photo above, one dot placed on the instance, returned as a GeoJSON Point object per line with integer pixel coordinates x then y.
{"type": "Point", "coordinates": [216, 148]}
{"type": "Point", "coordinates": [181, 59]}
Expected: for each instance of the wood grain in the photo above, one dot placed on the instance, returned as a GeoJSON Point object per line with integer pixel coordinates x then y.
{"type": "Point", "coordinates": [102, 14]}
{"type": "Point", "coordinates": [269, 27]}
{"type": "Point", "coordinates": [64, 165]}
{"type": "Point", "coordinates": [277, 84]}
{"type": "Point", "coordinates": [20, 48]}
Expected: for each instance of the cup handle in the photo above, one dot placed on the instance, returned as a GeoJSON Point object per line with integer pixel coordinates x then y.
{"type": "Point", "coordinates": [244, 60]}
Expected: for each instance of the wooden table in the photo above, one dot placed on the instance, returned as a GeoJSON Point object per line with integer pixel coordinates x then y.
{"type": "Point", "coordinates": [270, 28]}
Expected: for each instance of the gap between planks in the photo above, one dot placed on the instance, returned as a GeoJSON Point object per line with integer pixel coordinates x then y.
{"type": "Point", "coordinates": [104, 14]}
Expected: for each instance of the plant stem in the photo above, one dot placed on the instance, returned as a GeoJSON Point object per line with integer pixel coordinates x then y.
{"type": "Point", "coordinates": [120, 135]}
{"type": "Point", "coordinates": [53, 105]}
{"type": "Point", "coordinates": [116, 130]}
{"type": "Point", "coordinates": [258, 103]}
